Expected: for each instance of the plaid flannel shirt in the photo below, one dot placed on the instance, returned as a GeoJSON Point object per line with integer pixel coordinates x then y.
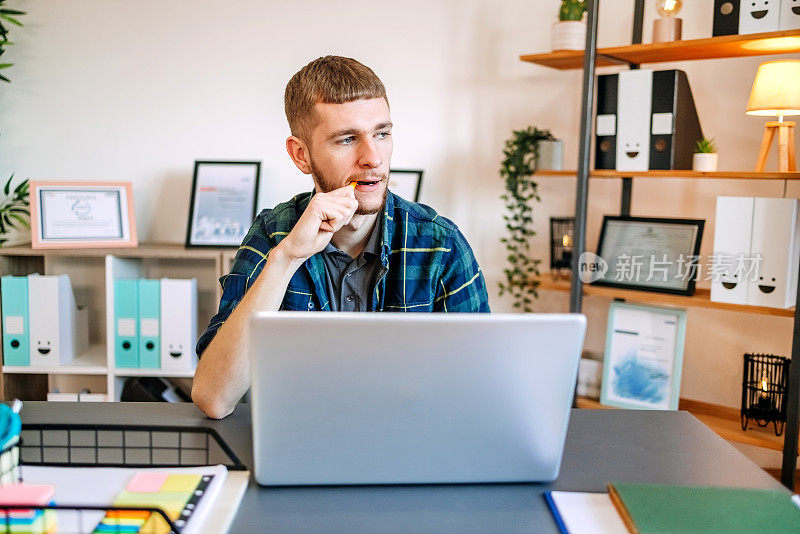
{"type": "Point", "coordinates": [427, 265]}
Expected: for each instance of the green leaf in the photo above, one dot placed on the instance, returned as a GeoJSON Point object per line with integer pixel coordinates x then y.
{"type": "Point", "coordinates": [12, 20]}
{"type": "Point", "coordinates": [6, 65]}
{"type": "Point", "coordinates": [7, 11]}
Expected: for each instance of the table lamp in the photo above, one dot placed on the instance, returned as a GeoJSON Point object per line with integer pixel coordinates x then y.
{"type": "Point", "coordinates": [668, 27]}
{"type": "Point", "coordinates": [776, 92]}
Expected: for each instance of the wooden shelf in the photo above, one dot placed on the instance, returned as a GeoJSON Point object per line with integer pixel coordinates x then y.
{"type": "Point", "coordinates": [152, 372]}
{"type": "Point", "coordinates": [147, 250]}
{"type": "Point", "coordinates": [701, 298]}
{"type": "Point", "coordinates": [726, 46]}
{"type": "Point", "coordinates": [91, 362]}
{"type": "Point", "coordinates": [724, 421]}
{"type": "Point", "coordinates": [719, 175]}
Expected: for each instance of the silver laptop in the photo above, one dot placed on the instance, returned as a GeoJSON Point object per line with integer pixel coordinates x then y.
{"type": "Point", "coordinates": [384, 398]}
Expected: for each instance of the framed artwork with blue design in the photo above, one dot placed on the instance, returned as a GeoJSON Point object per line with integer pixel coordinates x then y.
{"type": "Point", "coordinates": [644, 357]}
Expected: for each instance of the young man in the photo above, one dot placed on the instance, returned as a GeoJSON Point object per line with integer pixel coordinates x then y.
{"type": "Point", "coordinates": [351, 245]}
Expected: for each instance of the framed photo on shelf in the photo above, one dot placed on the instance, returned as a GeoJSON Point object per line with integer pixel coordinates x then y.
{"type": "Point", "coordinates": [82, 214]}
{"type": "Point", "coordinates": [644, 357]}
{"type": "Point", "coordinates": [650, 253]}
{"type": "Point", "coordinates": [223, 203]}
{"type": "Point", "coordinates": [406, 183]}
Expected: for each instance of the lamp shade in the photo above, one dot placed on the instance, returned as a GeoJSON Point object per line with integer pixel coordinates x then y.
{"type": "Point", "coordinates": [776, 89]}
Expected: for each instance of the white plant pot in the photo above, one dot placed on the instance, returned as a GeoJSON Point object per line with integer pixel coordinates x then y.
{"type": "Point", "coordinates": [705, 162]}
{"type": "Point", "coordinates": [569, 35]}
{"type": "Point", "coordinates": [551, 155]}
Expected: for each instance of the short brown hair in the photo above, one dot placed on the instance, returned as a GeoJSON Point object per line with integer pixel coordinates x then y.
{"type": "Point", "coordinates": [327, 80]}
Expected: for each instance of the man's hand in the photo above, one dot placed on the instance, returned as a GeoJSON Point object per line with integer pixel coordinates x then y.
{"type": "Point", "coordinates": [325, 215]}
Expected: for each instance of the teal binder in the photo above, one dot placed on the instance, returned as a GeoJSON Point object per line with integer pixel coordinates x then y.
{"type": "Point", "coordinates": [16, 330]}
{"type": "Point", "coordinates": [126, 315]}
{"type": "Point", "coordinates": [149, 324]}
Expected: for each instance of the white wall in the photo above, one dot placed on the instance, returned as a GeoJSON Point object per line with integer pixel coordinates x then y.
{"type": "Point", "coordinates": [119, 90]}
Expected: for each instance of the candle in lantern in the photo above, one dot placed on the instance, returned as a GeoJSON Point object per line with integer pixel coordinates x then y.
{"type": "Point", "coordinates": [566, 241]}
{"type": "Point", "coordinates": [764, 402]}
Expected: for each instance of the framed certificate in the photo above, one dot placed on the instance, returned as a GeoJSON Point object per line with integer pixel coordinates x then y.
{"type": "Point", "coordinates": [223, 204]}
{"type": "Point", "coordinates": [644, 357]}
{"type": "Point", "coordinates": [406, 183]}
{"type": "Point", "coordinates": [82, 214]}
{"type": "Point", "coordinates": [650, 254]}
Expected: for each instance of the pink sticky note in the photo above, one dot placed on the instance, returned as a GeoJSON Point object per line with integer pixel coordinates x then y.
{"type": "Point", "coordinates": [26, 493]}
{"type": "Point", "coordinates": [147, 482]}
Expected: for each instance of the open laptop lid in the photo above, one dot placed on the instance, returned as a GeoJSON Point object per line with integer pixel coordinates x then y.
{"type": "Point", "coordinates": [366, 398]}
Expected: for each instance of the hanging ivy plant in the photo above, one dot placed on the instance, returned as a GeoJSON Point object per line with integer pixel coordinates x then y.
{"type": "Point", "coordinates": [519, 163]}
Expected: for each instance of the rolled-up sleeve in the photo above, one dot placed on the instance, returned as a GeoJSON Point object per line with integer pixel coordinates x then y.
{"type": "Point", "coordinates": [249, 262]}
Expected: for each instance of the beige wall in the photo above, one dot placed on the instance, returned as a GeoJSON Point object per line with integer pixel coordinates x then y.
{"type": "Point", "coordinates": [112, 89]}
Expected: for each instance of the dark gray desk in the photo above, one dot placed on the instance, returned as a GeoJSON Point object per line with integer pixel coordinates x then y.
{"type": "Point", "coordinates": [602, 446]}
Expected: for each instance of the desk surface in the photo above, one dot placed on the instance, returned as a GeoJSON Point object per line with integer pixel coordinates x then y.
{"type": "Point", "coordinates": [602, 446]}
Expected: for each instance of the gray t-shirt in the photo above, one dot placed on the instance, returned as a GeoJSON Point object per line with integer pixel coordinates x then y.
{"type": "Point", "coordinates": [350, 280]}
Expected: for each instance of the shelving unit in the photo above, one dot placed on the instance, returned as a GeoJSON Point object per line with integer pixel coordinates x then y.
{"type": "Point", "coordinates": [727, 46]}
{"type": "Point", "coordinates": [700, 299]}
{"type": "Point", "coordinates": [731, 46]}
{"type": "Point", "coordinates": [719, 175]}
{"type": "Point", "coordinates": [88, 270]}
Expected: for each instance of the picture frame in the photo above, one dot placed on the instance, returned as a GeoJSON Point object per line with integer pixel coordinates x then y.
{"type": "Point", "coordinates": [82, 215]}
{"type": "Point", "coordinates": [644, 357]}
{"type": "Point", "coordinates": [406, 183]}
{"type": "Point", "coordinates": [223, 202]}
{"type": "Point", "coordinates": [669, 246]}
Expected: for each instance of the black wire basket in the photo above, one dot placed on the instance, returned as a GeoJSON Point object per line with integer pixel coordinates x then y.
{"type": "Point", "coordinates": [87, 445]}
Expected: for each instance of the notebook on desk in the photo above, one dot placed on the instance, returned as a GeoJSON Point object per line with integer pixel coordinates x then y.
{"type": "Point", "coordinates": [381, 398]}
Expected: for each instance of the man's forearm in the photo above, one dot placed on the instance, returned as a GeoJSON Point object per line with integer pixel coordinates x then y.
{"type": "Point", "coordinates": [223, 373]}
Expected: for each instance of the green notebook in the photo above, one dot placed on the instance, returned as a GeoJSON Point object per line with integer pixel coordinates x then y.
{"type": "Point", "coordinates": [651, 508]}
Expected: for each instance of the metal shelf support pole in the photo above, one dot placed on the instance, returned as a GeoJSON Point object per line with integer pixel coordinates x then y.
{"type": "Point", "coordinates": [582, 188]}
{"type": "Point", "coordinates": [789, 465]}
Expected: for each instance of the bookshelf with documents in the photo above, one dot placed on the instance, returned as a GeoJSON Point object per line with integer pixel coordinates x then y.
{"type": "Point", "coordinates": [634, 55]}
{"type": "Point", "coordinates": [92, 272]}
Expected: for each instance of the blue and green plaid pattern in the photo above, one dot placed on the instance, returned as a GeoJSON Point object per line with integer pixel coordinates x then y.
{"type": "Point", "coordinates": [427, 265]}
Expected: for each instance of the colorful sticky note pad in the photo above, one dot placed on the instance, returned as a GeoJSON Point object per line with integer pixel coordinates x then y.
{"type": "Point", "coordinates": [181, 483]}
{"type": "Point", "coordinates": [148, 482]}
{"type": "Point", "coordinates": [26, 493]}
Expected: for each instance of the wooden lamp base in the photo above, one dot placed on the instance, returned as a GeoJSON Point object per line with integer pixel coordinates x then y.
{"type": "Point", "coordinates": [786, 156]}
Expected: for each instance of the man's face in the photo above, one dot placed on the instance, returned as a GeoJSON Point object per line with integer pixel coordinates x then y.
{"type": "Point", "coordinates": [352, 142]}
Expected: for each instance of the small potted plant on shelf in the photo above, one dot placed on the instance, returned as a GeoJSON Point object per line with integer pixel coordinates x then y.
{"type": "Point", "coordinates": [14, 214]}
{"type": "Point", "coordinates": [705, 157]}
{"type": "Point", "coordinates": [569, 33]}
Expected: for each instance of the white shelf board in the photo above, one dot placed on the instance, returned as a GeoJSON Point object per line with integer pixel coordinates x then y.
{"type": "Point", "coordinates": [166, 373]}
{"type": "Point", "coordinates": [91, 362]}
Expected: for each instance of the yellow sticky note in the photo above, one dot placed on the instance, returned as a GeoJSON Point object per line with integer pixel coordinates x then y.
{"type": "Point", "coordinates": [155, 525]}
{"type": "Point", "coordinates": [183, 482]}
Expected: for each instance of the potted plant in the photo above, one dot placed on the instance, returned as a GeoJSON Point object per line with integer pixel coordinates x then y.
{"type": "Point", "coordinates": [705, 158]}
{"type": "Point", "coordinates": [569, 33]}
{"type": "Point", "coordinates": [9, 16]}
{"type": "Point", "coordinates": [520, 159]}
{"type": "Point", "coordinates": [14, 214]}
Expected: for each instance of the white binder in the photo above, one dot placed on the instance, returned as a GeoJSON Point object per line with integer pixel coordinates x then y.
{"type": "Point", "coordinates": [178, 324]}
{"type": "Point", "coordinates": [775, 239]}
{"type": "Point", "coordinates": [633, 120]}
{"type": "Point", "coordinates": [59, 330]}
{"type": "Point", "coordinates": [790, 15]}
{"type": "Point", "coordinates": [758, 16]}
{"type": "Point", "coordinates": [733, 228]}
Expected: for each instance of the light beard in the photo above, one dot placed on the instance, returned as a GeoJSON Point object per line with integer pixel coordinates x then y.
{"type": "Point", "coordinates": [326, 186]}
